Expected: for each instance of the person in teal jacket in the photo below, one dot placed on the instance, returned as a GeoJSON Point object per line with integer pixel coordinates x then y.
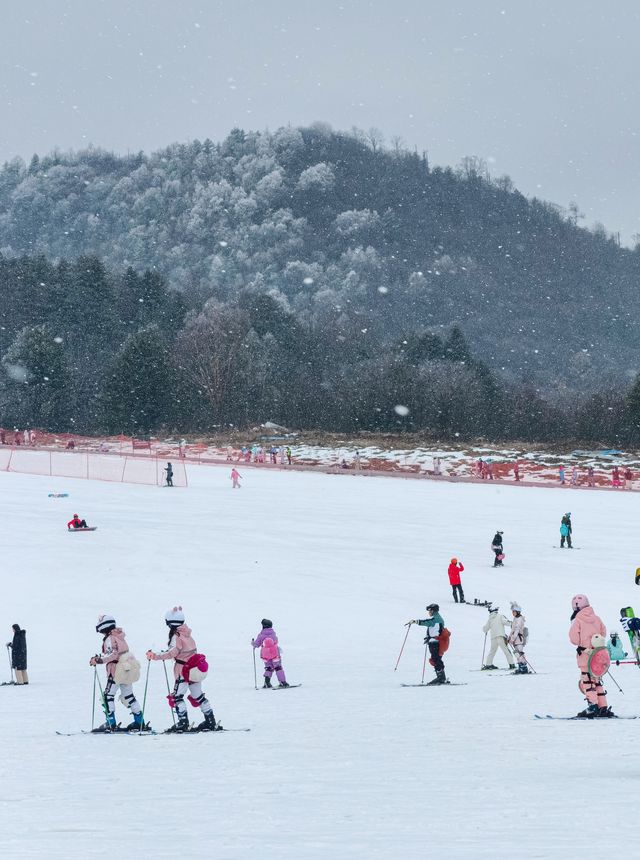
{"type": "Point", "coordinates": [565, 531]}
{"type": "Point", "coordinates": [435, 625]}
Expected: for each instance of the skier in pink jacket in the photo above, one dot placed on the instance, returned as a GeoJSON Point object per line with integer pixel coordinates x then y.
{"type": "Point", "coordinates": [189, 670]}
{"type": "Point", "coordinates": [235, 477]}
{"type": "Point", "coordinates": [122, 671]}
{"type": "Point", "coordinates": [267, 641]}
{"type": "Point", "coordinates": [585, 625]}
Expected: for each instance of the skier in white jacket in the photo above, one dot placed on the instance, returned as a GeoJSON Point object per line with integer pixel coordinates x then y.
{"type": "Point", "coordinates": [518, 638]}
{"type": "Point", "coordinates": [495, 626]}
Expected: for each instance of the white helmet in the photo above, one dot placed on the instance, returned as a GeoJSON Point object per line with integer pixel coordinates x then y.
{"type": "Point", "coordinates": [105, 623]}
{"type": "Point", "coordinates": [174, 617]}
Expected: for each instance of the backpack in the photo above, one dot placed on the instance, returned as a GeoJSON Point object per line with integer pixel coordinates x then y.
{"type": "Point", "coordinates": [127, 669]}
{"type": "Point", "coordinates": [443, 641]}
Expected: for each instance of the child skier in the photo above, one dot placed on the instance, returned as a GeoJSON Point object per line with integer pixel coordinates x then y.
{"type": "Point", "coordinates": [267, 641]}
{"type": "Point", "coordinates": [565, 531]}
{"type": "Point", "coordinates": [497, 548]}
{"type": "Point", "coordinates": [190, 668]}
{"type": "Point", "coordinates": [495, 625]}
{"type": "Point", "coordinates": [122, 669]}
{"type": "Point", "coordinates": [435, 627]}
{"type": "Point", "coordinates": [235, 477]}
{"type": "Point", "coordinates": [584, 627]}
{"type": "Point", "coordinates": [455, 569]}
{"type": "Point", "coordinates": [76, 523]}
{"type": "Point", "coordinates": [518, 638]}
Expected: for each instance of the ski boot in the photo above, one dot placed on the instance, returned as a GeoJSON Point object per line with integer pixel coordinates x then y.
{"type": "Point", "coordinates": [181, 726]}
{"type": "Point", "coordinates": [137, 725]}
{"type": "Point", "coordinates": [588, 713]}
{"type": "Point", "coordinates": [440, 678]}
{"type": "Point", "coordinates": [489, 666]}
{"type": "Point", "coordinates": [267, 684]}
{"type": "Point", "coordinates": [107, 727]}
{"type": "Point", "coordinates": [512, 666]}
{"type": "Point", "coordinates": [605, 713]}
{"type": "Point", "coordinates": [522, 669]}
{"type": "Point", "coordinates": [208, 724]}
{"type": "Point", "coordinates": [283, 684]}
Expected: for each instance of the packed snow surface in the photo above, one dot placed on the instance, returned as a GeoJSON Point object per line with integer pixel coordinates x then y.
{"type": "Point", "coordinates": [351, 764]}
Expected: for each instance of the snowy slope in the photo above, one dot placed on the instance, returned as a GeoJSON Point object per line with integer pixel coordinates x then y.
{"type": "Point", "coordinates": [351, 765]}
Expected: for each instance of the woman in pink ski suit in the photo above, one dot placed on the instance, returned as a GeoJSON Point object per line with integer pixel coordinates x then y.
{"type": "Point", "coordinates": [114, 647]}
{"type": "Point", "coordinates": [267, 641]}
{"type": "Point", "coordinates": [181, 648]}
{"type": "Point", "coordinates": [235, 477]}
{"type": "Point", "coordinates": [585, 625]}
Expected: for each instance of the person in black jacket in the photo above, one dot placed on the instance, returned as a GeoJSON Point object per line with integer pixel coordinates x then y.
{"type": "Point", "coordinates": [498, 549]}
{"type": "Point", "coordinates": [19, 654]}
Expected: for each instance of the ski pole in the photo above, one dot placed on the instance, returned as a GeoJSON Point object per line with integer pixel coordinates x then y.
{"type": "Point", "coordinates": [166, 677]}
{"type": "Point", "coordinates": [10, 662]}
{"type": "Point", "coordinates": [144, 698]}
{"type": "Point", "coordinates": [255, 671]}
{"type": "Point", "coordinates": [424, 664]}
{"type": "Point", "coordinates": [484, 645]}
{"type": "Point", "coordinates": [403, 644]}
{"type": "Point", "coordinates": [104, 701]}
{"type": "Point", "coordinates": [93, 701]}
{"type": "Point", "coordinates": [530, 666]}
{"type": "Point", "coordinates": [615, 682]}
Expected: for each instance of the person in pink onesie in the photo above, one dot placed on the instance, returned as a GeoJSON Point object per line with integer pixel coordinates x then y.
{"type": "Point", "coordinates": [235, 477]}
{"type": "Point", "coordinates": [585, 624]}
{"type": "Point", "coordinates": [267, 642]}
{"type": "Point", "coordinates": [188, 670]}
{"type": "Point", "coordinates": [113, 651]}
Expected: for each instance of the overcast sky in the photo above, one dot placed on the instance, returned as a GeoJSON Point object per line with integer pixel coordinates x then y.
{"type": "Point", "coordinates": [546, 90]}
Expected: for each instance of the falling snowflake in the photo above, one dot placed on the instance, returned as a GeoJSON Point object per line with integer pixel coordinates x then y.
{"type": "Point", "coordinates": [400, 410]}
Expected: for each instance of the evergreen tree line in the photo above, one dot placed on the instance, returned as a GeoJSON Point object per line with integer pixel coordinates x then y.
{"type": "Point", "coordinates": [335, 226]}
{"type": "Point", "coordinates": [87, 349]}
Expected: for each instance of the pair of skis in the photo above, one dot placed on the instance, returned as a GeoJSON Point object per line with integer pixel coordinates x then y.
{"type": "Point", "coordinates": [149, 732]}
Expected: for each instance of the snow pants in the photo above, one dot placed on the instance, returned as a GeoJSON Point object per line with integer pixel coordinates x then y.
{"type": "Point", "coordinates": [499, 642]}
{"type": "Point", "coordinates": [271, 666]}
{"type": "Point", "coordinates": [589, 686]}
{"type": "Point", "coordinates": [518, 650]}
{"type": "Point", "coordinates": [126, 696]}
{"type": "Point", "coordinates": [497, 562]}
{"type": "Point", "coordinates": [196, 697]}
{"type": "Point", "coordinates": [457, 589]}
{"type": "Point", "coordinates": [566, 538]}
{"type": "Point", "coordinates": [436, 660]}
{"type": "Point", "coordinates": [236, 484]}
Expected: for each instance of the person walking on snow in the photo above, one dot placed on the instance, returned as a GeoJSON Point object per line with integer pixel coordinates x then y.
{"type": "Point", "coordinates": [455, 569]}
{"type": "Point", "coordinates": [561, 474]}
{"type": "Point", "coordinates": [565, 531]}
{"type": "Point", "coordinates": [435, 626]}
{"type": "Point", "coordinates": [267, 642]}
{"type": "Point", "coordinates": [189, 670]}
{"type": "Point", "coordinates": [585, 627]}
{"type": "Point", "coordinates": [18, 647]}
{"type": "Point", "coordinates": [497, 548]}
{"type": "Point", "coordinates": [122, 669]}
{"type": "Point", "coordinates": [169, 471]}
{"type": "Point", "coordinates": [235, 477]}
{"type": "Point", "coordinates": [495, 626]}
{"type": "Point", "coordinates": [518, 638]}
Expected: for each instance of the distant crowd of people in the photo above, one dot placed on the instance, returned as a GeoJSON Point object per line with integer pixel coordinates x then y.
{"type": "Point", "coordinates": [17, 437]}
{"type": "Point", "coordinates": [275, 454]}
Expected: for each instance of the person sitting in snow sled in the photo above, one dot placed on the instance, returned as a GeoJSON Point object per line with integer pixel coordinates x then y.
{"type": "Point", "coordinates": [267, 642]}
{"type": "Point", "coordinates": [123, 670]}
{"type": "Point", "coordinates": [77, 523]}
{"type": "Point", "coordinates": [587, 633]}
{"type": "Point", "coordinates": [189, 670]}
{"type": "Point", "coordinates": [437, 640]}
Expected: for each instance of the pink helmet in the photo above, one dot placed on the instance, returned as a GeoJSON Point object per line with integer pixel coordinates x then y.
{"type": "Point", "coordinates": [579, 602]}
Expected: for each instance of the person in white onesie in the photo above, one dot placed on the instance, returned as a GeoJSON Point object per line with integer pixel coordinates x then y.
{"type": "Point", "coordinates": [495, 626]}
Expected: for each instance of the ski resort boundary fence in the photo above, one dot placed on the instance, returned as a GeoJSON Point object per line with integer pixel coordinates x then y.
{"type": "Point", "coordinates": [93, 467]}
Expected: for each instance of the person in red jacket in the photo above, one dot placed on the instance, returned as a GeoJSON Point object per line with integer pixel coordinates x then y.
{"type": "Point", "coordinates": [77, 523]}
{"type": "Point", "coordinates": [455, 569]}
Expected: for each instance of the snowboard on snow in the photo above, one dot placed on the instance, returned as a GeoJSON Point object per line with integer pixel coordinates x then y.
{"type": "Point", "coordinates": [476, 602]}
{"type": "Point", "coordinates": [584, 719]}
{"type": "Point", "coordinates": [87, 529]}
{"type": "Point", "coordinates": [58, 495]}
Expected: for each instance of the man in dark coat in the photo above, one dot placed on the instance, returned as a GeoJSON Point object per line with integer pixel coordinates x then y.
{"type": "Point", "coordinates": [19, 654]}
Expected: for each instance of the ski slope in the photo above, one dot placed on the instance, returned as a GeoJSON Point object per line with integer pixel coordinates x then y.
{"type": "Point", "coordinates": [350, 765]}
